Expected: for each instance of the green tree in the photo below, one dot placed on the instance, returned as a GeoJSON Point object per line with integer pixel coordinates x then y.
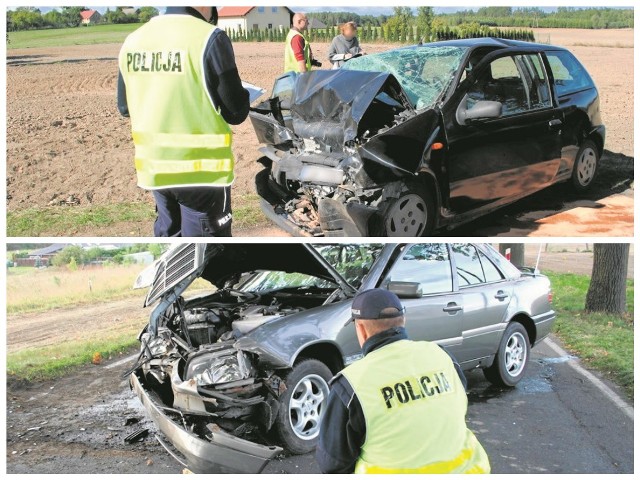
{"type": "Point", "coordinates": [71, 16]}
{"type": "Point", "coordinates": [72, 265]}
{"type": "Point", "coordinates": [424, 22]}
{"type": "Point", "coordinates": [147, 13]}
{"type": "Point", "coordinates": [67, 253]}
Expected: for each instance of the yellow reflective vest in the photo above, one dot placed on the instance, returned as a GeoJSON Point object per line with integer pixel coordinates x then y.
{"type": "Point", "coordinates": [179, 135]}
{"type": "Point", "coordinates": [414, 407]}
{"type": "Point", "coordinates": [290, 62]}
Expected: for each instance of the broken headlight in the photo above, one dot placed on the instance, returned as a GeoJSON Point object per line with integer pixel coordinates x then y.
{"type": "Point", "coordinates": [212, 368]}
{"type": "Point", "coordinates": [158, 346]}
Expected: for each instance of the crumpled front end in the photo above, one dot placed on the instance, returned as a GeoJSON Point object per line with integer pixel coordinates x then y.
{"type": "Point", "coordinates": [208, 450]}
{"type": "Point", "coordinates": [352, 137]}
{"type": "Point", "coordinates": [212, 404]}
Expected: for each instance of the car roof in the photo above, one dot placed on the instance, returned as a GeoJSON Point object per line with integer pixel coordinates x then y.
{"type": "Point", "coordinates": [487, 42]}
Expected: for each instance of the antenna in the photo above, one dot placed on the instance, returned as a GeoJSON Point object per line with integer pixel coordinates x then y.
{"type": "Point", "coordinates": [538, 259]}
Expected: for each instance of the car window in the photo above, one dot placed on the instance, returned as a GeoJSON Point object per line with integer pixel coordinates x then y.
{"type": "Point", "coordinates": [468, 266]}
{"type": "Point", "coordinates": [518, 82]}
{"type": "Point", "coordinates": [425, 263]}
{"type": "Point", "coordinates": [491, 272]}
{"type": "Point", "coordinates": [568, 75]}
{"type": "Point", "coordinates": [423, 72]}
{"type": "Point", "coordinates": [537, 82]}
{"type": "Point", "coordinates": [353, 262]}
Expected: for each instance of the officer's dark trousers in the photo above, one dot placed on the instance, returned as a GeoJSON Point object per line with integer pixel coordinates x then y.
{"type": "Point", "coordinates": [193, 212]}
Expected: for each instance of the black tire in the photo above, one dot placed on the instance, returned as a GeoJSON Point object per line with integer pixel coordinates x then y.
{"type": "Point", "coordinates": [410, 215]}
{"type": "Point", "coordinates": [295, 440]}
{"type": "Point", "coordinates": [585, 167]}
{"type": "Point", "coordinates": [500, 373]}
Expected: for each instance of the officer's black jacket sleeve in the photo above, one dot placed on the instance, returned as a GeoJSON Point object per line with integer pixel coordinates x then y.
{"type": "Point", "coordinates": [122, 96]}
{"type": "Point", "coordinates": [343, 430]}
{"type": "Point", "coordinates": [223, 81]}
{"type": "Point", "coordinates": [463, 379]}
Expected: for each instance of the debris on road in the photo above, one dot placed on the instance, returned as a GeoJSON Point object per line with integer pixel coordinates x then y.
{"type": "Point", "coordinates": [137, 436]}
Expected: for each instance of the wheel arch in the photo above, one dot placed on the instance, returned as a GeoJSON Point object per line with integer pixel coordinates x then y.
{"type": "Point", "coordinates": [596, 138]}
{"type": "Point", "coordinates": [325, 352]}
{"type": "Point", "coordinates": [529, 325]}
{"type": "Point", "coordinates": [428, 180]}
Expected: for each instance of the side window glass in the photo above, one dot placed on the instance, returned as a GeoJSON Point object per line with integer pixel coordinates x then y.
{"type": "Point", "coordinates": [427, 264]}
{"type": "Point", "coordinates": [501, 82]}
{"type": "Point", "coordinates": [568, 75]}
{"type": "Point", "coordinates": [538, 85]}
{"type": "Point", "coordinates": [468, 266]}
{"type": "Point", "coordinates": [491, 272]}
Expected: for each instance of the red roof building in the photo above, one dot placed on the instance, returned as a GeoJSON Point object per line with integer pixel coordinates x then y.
{"type": "Point", "coordinates": [90, 16]}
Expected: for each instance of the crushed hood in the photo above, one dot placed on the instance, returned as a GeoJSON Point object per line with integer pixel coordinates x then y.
{"type": "Point", "coordinates": [328, 104]}
{"type": "Point", "coordinates": [182, 264]}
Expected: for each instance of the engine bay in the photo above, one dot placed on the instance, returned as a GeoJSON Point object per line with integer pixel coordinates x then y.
{"type": "Point", "coordinates": [193, 368]}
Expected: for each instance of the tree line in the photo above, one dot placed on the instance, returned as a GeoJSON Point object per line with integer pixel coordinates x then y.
{"type": "Point", "coordinates": [563, 17]}
{"type": "Point", "coordinates": [31, 18]}
{"type": "Point", "coordinates": [75, 255]}
{"type": "Point", "coordinates": [397, 33]}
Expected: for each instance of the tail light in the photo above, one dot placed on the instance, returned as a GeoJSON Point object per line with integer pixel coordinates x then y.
{"type": "Point", "coordinates": [550, 297]}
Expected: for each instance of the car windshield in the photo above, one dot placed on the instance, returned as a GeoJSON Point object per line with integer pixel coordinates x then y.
{"type": "Point", "coordinates": [423, 72]}
{"type": "Point", "coordinates": [353, 262]}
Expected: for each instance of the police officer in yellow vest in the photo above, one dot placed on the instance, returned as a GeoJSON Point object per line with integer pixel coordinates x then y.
{"type": "Point", "coordinates": [180, 85]}
{"type": "Point", "coordinates": [400, 409]}
{"type": "Point", "coordinates": [297, 51]}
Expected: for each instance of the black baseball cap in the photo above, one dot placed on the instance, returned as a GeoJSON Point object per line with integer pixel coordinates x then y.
{"type": "Point", "coordinates": [371, 305]}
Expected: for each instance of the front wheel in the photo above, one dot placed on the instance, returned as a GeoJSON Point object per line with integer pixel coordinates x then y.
{"type": "Point", "coordinates": [585, 166]}
{"type": "Point", "coordinates": [410, 215]}
{"type": "Point", "coordinates": [302, 406]}
{"type": "Point", "coordinates": [512, 357]}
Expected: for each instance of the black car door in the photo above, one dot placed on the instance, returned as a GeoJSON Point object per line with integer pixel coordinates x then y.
{"type": "Point", "coordinates": [510, 148]}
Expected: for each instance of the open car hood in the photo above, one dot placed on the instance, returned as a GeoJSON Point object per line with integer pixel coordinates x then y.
{"type": "Point", "coordinates": [182, 264]}
{"type": "Point", "coordinates": [328, 105]}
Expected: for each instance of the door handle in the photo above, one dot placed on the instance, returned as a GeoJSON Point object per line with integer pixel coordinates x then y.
{"type": "Point", "coordinates": [501, 295]}
{"type": "Point", "coordinates": [452, 308]}
{"type": "Point", "coordinates": [555, 123]}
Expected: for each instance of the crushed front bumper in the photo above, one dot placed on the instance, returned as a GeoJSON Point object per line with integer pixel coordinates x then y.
{"type": "Point", "coordinates": [223, 454]}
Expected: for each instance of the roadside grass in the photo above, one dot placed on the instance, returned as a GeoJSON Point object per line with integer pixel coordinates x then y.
{"type": "Point", "coordinates": [44, 289]}
{"type": "Point", "coordinates": [45, 363]}
{"type": "Point", "coordinates": [119, 219]}
{"type": "Point", "coordinates": [65, 221]}
{"type": "Point", "coordinates": [603, 342]}
{"type": "Point", "coordinates": [62, 37]}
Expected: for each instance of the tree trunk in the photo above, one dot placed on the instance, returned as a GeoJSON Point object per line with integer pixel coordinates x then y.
{"type": "Point", "coordinates": [608, 287]}
{"type": "Point", "coordinates": [517, 252]}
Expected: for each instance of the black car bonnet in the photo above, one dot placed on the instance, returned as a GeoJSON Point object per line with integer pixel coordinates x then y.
{"type": "Point", "coordinates": [329, 104]}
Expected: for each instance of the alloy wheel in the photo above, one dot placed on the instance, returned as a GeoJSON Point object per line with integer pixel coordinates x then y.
{"type": "Point", "coordinates": [515, 354]}
{"type": "Point", "coordinates": [306, 406]}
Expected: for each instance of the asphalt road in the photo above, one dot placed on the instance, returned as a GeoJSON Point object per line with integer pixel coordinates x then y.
{"type": "Point", "coordinates": [554, 421]}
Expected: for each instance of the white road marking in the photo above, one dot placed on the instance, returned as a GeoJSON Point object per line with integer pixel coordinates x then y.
{"type": "Point", "coordinates": [123, 361]}
{"type": "Point", "coordinates": [599, 384]}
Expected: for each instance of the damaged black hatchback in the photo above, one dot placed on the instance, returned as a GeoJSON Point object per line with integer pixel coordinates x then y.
{"type": "Point", "coordinates": [416, 139]}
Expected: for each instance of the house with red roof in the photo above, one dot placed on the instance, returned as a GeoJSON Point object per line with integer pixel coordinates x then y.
{"type": "Point", "coordinates": [254, 18]}
{"type": "Point", "coordinates": [89, 17]}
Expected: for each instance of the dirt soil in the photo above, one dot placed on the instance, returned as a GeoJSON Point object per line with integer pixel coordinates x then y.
{"type": "Point", "coordinates": [67, 143]}
{"type": "Point", "coordinates": [68, 324]}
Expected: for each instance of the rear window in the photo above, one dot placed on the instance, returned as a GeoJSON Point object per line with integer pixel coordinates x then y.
{"type": "Point", "coordinates": [568, 75]}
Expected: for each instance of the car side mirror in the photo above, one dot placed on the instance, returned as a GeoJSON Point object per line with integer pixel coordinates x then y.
{"type": "Point", "coordinates": [405, 289]}
{"type": "Point", "coordinates": [483, 110]}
